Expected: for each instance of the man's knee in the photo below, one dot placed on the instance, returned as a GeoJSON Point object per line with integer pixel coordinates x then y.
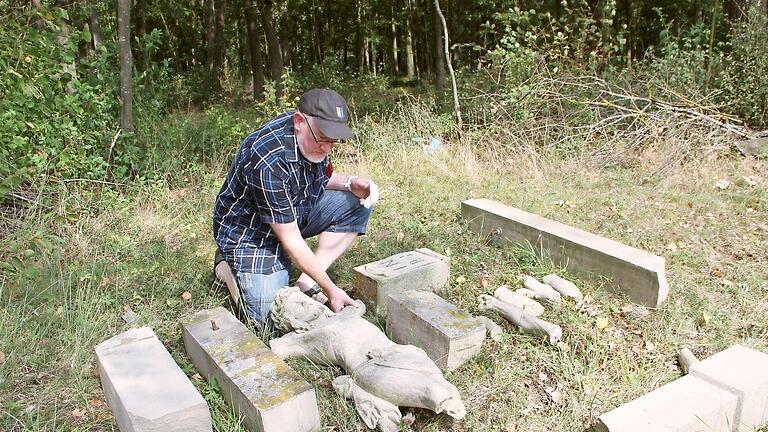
{"type": "Point", "coordinates": [258, 292]}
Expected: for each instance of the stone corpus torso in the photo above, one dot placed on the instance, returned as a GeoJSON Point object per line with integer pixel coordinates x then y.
{"type": "Point", "coordinates": [397, 375]}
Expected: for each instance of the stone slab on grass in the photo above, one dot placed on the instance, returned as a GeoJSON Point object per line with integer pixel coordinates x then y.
{"type": "Point", "coordinates": [688, 404]}
{"type": "Point", "coordinates": [262, 388]}
{"type": "Point", "coordinates": [637, 273]}
{"type": "Point", "coordinates": [446, 333]}
{"type": "Point", "coordinates": [418, 270]}
{"type": "Point", "coordinates": [744, 372]}
{"type": "Point", "coordinates": [145, 388]}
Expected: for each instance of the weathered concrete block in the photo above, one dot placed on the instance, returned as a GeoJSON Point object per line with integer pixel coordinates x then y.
{"type": "Point", "coordinates": [688, 404]}
{"type": "Point", "coordinates": [418, 270]}
{"type": "Point", "coordinates": [145, 388]}
{"type": "Point", "coordinates": [744, 372]}
{"type": "Point", "coordinates": [269, 395]}
{"type": "Point", "coordinates": [446, 333]}
{"type": "Point", "coordinates": [637, 273]}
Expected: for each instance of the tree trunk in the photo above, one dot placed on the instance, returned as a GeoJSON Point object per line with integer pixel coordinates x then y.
{"type": "Point", "coordinates": [219, 45]}
{"type": "Point", "coordinates": [285, 38]}
{"type": "Point", "coordinates": [126, 64]}
{"type": "Point", "coordinates": [764, 7]}
{"type": "Point", "coordinates": [318, 38]}
{"type": "Point", "coordinates": [138, 13]}
{"type": "Point", "coordinates": [93, 22]}
{"type": "Point", "coordinates": [273, 47]}
{"type": "Point", "coordinates": [140, 28]}
{"type": "Point", "coordinates": [447, 53]}
{"type": "Point", "coordinates": [361, 49]}
{"type": "Point", "coordinates": [439, 59]}
{"type": "Point", "coordinates": [630, 17]}
{"type": "Point", "coordinates": [254, 48]}
{"type": "Point", "coordinates": [735, 12]}
{"type": "Point", "coordinates": [410, 61]}
{"type": "Point", "coordinates": [209, 14]}
{"type": "Point", "coordinates": [395, 60]}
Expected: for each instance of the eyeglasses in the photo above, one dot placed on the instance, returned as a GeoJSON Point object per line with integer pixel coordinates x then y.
{"type": "Point", "coordinates": [315, 136]}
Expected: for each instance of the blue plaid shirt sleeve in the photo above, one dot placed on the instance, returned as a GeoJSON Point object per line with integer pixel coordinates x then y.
{"type": "Point", "coordinates": [271, 194]}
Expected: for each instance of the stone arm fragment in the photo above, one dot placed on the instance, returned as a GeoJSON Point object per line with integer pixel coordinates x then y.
{"type": "Point", "coordinates": [527, 304]}
{"type": "Point", "coordinates": [541, 291]}
{"type": "Point", "coordinates": [494, 330]}
{"type": "Point", "coordinates": [563, 286]}
{"type": "Point", "coordinates": [374, 411]}
{"type": "Point", "coordinates": [527, 323]}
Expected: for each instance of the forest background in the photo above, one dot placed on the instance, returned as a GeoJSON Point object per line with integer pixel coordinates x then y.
{"type": "Point", "coordinates": [118, 120]}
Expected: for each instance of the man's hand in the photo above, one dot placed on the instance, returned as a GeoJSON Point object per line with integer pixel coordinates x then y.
{"type": "Point", "coordinates": [366, 190]}
{"type": "Point", "coordinates": [338, 298]}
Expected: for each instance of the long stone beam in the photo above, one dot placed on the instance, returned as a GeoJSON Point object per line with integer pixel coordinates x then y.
{"type": "Point", "coordinates": [637, 273]}
{"type": "Point", "coordinates": [262, 388]}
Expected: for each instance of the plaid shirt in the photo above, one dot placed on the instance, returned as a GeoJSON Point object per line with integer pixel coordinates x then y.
{"type": "Point", "coordinates": [268, 182]}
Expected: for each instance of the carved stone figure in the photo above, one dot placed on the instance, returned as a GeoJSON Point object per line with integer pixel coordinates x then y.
{"type": "Point", "coordinates": [563, 286]}
{"type": "Point", "coordinates": [494, 330]}
{"type": "Point", "coordinates": [382, 375]}
{"type": "Point", "coordinates": [527, 304]}
{"type": "Point", "coordinates": [527, 323]}
{"type": "Point", "coordinates": [539, 291]}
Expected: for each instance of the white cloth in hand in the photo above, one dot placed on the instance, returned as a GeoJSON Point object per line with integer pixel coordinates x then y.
{"type": "Point", "coordinates": [373, 197]}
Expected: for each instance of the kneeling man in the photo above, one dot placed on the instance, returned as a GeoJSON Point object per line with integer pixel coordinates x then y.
{"type": "Point", "coordinates": [280, 189]}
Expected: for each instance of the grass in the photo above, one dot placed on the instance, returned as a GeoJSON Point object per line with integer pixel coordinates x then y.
{"type": "Point", "coordinates": [142, 246]}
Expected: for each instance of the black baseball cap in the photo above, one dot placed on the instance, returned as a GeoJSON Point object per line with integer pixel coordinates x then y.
{"type": "Point", "coordinates": [329, 110]}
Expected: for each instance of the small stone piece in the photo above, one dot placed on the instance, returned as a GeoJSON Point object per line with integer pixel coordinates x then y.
{"type": "Point", "coordinates": [418, 270]}
{"type": "Point", "coordinates": [525, 322]}
{"type": "Point", "coordinates": [446, 333]}
{"type": "Point", "coordinates": [687, 404]}
{"type": "Point", "coordinates": [268, 394]}
{"type": "Point", "coordinates": [753, 147]}
{"type": "Point", "coordinates": [744, 372]}
{"type": "Point", "coordinates": [686, 359]}
{"type": "Point", "coordinates": [145, 388]}
{"type": "Point", "coordinates": [563, 286]}
{"type": "Point", "coordinates": [494, 330]}
{"type": "Point", "coordinates": [527, 304]}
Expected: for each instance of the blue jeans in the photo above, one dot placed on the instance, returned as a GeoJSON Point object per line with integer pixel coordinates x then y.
{"type": "Point", "coordinates": [336, 211]}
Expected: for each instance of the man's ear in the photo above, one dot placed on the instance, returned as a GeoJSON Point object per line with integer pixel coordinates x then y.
{"type": "Point", "coordinates": [298, 119]}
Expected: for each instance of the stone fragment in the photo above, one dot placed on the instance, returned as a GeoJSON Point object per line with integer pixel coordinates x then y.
{"type": "Point", "coordinates": [541, 291]}
{"type": "Point", "coordinates": [418, 270]}
{"type": "Point", "coordinates": [686, 359]}
{"type": "Point", "coordinates": [744, 372]}
{"type": "Point", "coordinates": [637, 273]}
{"type": "Point", "coordinates": [527, 304]}
{"type": "Point", "coordinates": [268, 394]}
{"type": "Point", "coordinates": [494, 330]}
{"type": "Point", "coordinates": [753, 147]}
{"type": "Point", "coordinates": [446, 333]}
{"type": "Point", "coordinates": [563, 286]}
{"type": "Point", "coordinates": [688, 404]}
{"type": "Point", "coordinates": [145, 388]}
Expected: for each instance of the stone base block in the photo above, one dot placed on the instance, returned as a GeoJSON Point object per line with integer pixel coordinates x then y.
{"type": "Point", "coordinates": [145, 388]}
{"type": "Point", "coordinates": [446, 333]}
{"type": "Point", "coordinates": [744, 372]}
{"type": "Point", "coordinates": [688, 404]}
{"type": "Point", "coordinates": [418, 270]}
{"type": "Point", "coordinates": [269, 395]}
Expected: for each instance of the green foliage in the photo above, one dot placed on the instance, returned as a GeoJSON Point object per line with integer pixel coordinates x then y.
{"type": "Point", "coordinates": [680, 61]}
{"type": "Point", "coordinates": [580, 35]}
{"type": "Point", "coordinates": [55, 105]}
{"type": "Point", "coordinates": [744, 82]}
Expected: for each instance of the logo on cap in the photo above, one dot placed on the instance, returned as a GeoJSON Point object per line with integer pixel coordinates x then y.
{"type": "Point", "coordinates": [339, 112]}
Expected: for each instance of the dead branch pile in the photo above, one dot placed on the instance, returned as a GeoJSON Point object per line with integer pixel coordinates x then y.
{"type": "Point", "coordinates": [607, 124]}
